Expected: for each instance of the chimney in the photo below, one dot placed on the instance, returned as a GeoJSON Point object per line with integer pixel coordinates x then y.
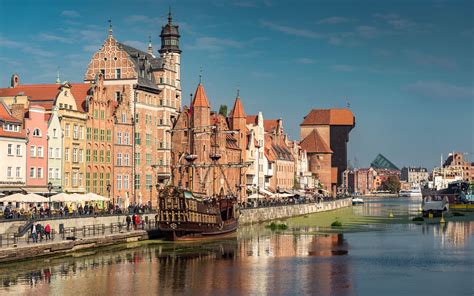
{"type": "Point", "coordinates": [18, 111]}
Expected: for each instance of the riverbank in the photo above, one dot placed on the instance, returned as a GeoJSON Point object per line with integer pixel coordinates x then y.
{"type": "Point", "coordinates": [31, 250]}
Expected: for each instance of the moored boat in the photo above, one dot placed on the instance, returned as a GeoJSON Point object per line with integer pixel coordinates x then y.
{"type": "Point", "coordinates": [357, 201]}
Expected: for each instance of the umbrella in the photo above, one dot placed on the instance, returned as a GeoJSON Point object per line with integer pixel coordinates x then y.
{"type": "Point", "coordinates": [33, 197]}
{"type": "Point", "coordinates": [95, 197]}
{"type": "Point", "coordinates": [60, 197]}
{"type": "Point", "coordinates": [16, 197]}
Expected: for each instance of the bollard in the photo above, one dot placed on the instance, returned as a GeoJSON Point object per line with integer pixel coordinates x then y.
{"type": "Point", "coordinates": [442, 221]}
{"type": "Point", "coordinates": [83, 231]}
{"type": "Point", "coordinates": [74, 231]}
{"type": "Point", "coordinates": [103, 229]}
{"type": "Point", "coordinates": [111, 228]}
{"type": "Point", "coordinates": [390, 215]}
{"type": "Point", "coordinates": [430, 215]}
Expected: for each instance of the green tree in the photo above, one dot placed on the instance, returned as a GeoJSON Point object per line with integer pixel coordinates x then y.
{"type": "Point", "coordinates": [223, 110]}
{"type": "Point", "coordinates": [392, 184]}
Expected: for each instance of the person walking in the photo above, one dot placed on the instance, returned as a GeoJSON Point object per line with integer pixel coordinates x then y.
{"type": "Point", "coordinates": [34, 234]}
{"type": "Point", "coordinates": [134, 221]}
{"type": "Point", "coordinates": [47, 231]}
{"type": "Point", "coordinates": [129, 220]}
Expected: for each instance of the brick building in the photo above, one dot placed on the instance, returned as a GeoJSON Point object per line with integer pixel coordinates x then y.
{"type": "Point", "coordinates": [331, 126]}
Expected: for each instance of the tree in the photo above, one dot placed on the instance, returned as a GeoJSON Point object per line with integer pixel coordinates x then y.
{"type": "Point", "coordinates": [392, 184]}
{"type": "Point", "coordinates": [223, 110]}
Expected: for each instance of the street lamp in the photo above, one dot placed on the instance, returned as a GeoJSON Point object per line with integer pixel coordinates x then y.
{"type": "Point", "coordinates": [50, 187]}
{"type": "Point", "coordinates": [108, 191]}
{"type": "Point", "coordinates": [157, 194]}
{"type": "Point", "coordinates": [151, 192]}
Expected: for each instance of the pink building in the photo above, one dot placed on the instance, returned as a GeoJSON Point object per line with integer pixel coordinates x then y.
{"type": "Point", "coordinates": [36, 126]}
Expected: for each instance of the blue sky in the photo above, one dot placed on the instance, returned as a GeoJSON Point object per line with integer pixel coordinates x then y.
{"type": "Point", "coordinates": [405, 67]}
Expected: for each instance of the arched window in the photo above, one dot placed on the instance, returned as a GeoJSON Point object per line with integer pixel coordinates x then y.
{"type": "Point", "coordinates": [37, 132]}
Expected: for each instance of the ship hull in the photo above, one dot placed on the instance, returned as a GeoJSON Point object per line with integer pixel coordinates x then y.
{"type": "Point", "coordinates": [194, 231]}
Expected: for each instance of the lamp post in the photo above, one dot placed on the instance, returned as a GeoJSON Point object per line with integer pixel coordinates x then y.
{"type": "Point", "coordinates": [157, 195]}
{"type": "Point", "coordinates": [108, 191]}
{"type": "Point", "coordinates": [50, 187]}
{"type": "Point", "coordinates": [151, 192]}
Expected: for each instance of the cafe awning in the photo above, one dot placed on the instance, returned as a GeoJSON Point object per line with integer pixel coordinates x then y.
{"type": "Point", "coordinates": [38, 190]}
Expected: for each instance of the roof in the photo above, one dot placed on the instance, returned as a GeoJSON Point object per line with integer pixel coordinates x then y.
{"type": "Point", "coordinates": [381, 162]}
{"type": "Point", "coordinates": [314, 143]}
{"type": "Point", "coordinates": [270, 124]}
{"type": "Point", "coordinates": [143, 61]}
{"type": "Point", "coordinates": [276, 149]}
{"type": "Point", "coordinates": [5, 114]}
{"type": "Point", "coordinates": [36, 92]}
{"type": "Point", "coordinates": [252, 119]}
{"type": "Point", "coordinates": [329, 117]}
{"type": "Point", "coordinates": [80, 91]}
{"type": "Point", "coordinates": [200, 98]}
{"type": "Point", "coordinates": [238, 110]}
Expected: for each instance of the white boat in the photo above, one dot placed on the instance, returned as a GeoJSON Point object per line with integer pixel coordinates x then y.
{"type": "Point", "coordinates": [435, 205]}
{"type": "Point", "coordinates": [414, 192]}
{"type": "Point", "coordinates": [357, 201]}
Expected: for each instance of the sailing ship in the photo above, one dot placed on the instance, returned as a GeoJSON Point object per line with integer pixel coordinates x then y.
{"type": "Point", "coordinates": [187, 213]}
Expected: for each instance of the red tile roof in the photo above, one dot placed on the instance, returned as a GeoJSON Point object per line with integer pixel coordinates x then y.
{"type": "Point", "coordinates": [314, 143]}
{"type": "Point", "coordinates": [238, 110]}
{"type": "Point", "coordinates": [252, 119]}
{"type": "Point", "coordinates": [270, 124]}
{"type": "Point", "coordinates": [80, 91]}
{"type": "Point", "coordinates": [200, 98]}
{"type": "Point", "coordinates": [36, 92]}
{"type": "Point", "coordinates": [329, 117]}
{"type": "Point", "coordinates": [5, 114]}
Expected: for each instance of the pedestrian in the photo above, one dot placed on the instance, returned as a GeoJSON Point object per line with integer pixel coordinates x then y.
{"type": "Point", "coordinates": [137, 221]}
{"type": "Point", "coordinates": [34, 234]}
{"type": "Point", "coordinates": [39, 231]}
{"type": "Point", "coordinates": [129, 220]}
{"type": "Point", "coordinates": [47, 231]}
{"type": "Point", "coordinates": [134, 221]}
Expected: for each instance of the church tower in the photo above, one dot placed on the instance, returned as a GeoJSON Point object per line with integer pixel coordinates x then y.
{"type": "Point", "coordinates": [238, 121]}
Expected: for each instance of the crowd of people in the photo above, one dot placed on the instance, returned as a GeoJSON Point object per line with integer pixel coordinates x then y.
{"type": "Point", "coordinates": [39, 232]}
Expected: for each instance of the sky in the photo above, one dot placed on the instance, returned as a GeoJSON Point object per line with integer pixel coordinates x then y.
{"type": "Point", "coordinates": [404, 68]}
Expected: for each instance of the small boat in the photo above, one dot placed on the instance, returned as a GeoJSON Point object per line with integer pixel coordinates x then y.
{"type": "Point", "coordinates": [414, 192]}
{"type": "Point", "coordinates": [357, 201]}
{"type": "Point", "coordinates": [435, 205]}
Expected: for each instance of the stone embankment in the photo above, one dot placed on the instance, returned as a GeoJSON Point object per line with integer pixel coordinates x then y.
{"type": "Point", "coordinates": [257, 215]}
{"type": "Point", "coordinates": [63, 247]}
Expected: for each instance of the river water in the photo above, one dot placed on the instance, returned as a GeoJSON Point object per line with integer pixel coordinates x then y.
{"type": "Point", "coordinates": [371, 254]}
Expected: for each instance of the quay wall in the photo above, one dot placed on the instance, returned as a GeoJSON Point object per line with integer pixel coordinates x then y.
{"type": "Point", "coordinates": [257, 215]}
{"type": "Point", "coordinates": [78, 222]}
{"type": "Point", "coordinates": [68, 246]}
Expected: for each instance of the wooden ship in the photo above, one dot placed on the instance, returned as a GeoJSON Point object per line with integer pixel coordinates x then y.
{"type": "Point", "coordinates": [187, 213]}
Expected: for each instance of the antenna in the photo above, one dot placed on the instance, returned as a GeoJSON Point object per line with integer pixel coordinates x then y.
{"type": "Point", "coordinates": [200, 75]}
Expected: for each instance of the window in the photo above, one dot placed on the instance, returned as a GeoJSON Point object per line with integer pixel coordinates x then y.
{"type": "Point", "coordinates": [66, 154]}
{"type": "Point", "coordinates": [137, 138]}
{"type": "Point", "coordinates": [75, 132]}
{"type": "Point", "coordinates": [88, 182]}
{"type": "Point", "coordinates": [95, 156]}
{"type": "Point", "coordinates": [137, 158]}
{"type": "Point", "coordinates": [88, 155]}
{"type": "Point", "coordinates": [10, 149]}
{"type": "Point", "coordinates": [32, 172]}
{"type": "Point", "coordinates": [66, 130]}
{"type": "Point", "coordinates": [57, 153]}
{"type": "Point", "coordinates": [148, 158]}
{"type": "Point", "coordinates": [9, 172]}
{"type": "Point", "coordinates": [119, 182]}
{"type": "Point", "coordinates": [66, 179]}
{"type": "Point", "coordinates": [56, 174]}
{"type": "Point", "coordinates": [109, 136]}
{"type": "Point", "coordinates": [81, 155]}
{"type": "Point", "coordinates": [96, 134]}
{"type": "Point", "coordinates": [74, 179]}
{"type": "Point", "coordinates": [18, 172]}
{"type": "Point", "coordinates": [124, 118]}
{"type": "Point", "coordinates": [51, 152]}
{"type": "Point", "coordinates": [137, 181]}
{"type": "Point", "coordinates": [102, 71]}
{"type": "Point", "coordinates": [81, 132]}
{"type": "Point", "coordinates": [117, 95]}
{"type": "Point", "coordinates": [32, 151]}
{"type": "Point", "coordinates": [94, 182]}
{"type": "Point", "coordinates": [74, 154]}
{"type": "Point", "coordinates": [89, 133]}
{"type": "Point", "coordinates": [148, 139]}
{"type": "Point", "coordinates": [50, 173]}
{"type": "Point", "coordinates": [119, 138]}
{"type": "Point", "coordinates": [102, 156]}
{"type": "Point", "coordinates": [126, 159]}
{"type": "Point", "coordinates": [80, 179]}
{"type": "Point", "coordinates": [96, 114]}
{"type": "Point", "coordinates": [40, 173]}
{"type": "Point", "coordinates": [102, 114]}
{"type": "Point", "coordinates": [18, 150]}
{"type": "Point", "coordinates": [102, 135]}
{"type": "Point", "coordinates": [37, 132]}
{"type": "Point", "coordinates": [117, 74]}
{"type": "Point", "coordinates": [125, 182]}
{"type": "Point", "coordinates": [119, 159]}
{"type": "Point", "coordinates": [108, 156]}
{"type": "Point", "coordinates": [148, 180]}
{"type": "Point", "coordinates": [40, 151]}
{"type": "Point", "coordinates": [126, 138]}
{"type": "Point", "coordinates": [55, 133]}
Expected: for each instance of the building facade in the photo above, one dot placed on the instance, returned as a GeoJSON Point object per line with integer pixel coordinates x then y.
{"type": "Point", "coordinates": [55, 148]}
{"type": "Point", "coordinates": [415, 176]}
{"type": "Point", "coordinates": [36, 128]}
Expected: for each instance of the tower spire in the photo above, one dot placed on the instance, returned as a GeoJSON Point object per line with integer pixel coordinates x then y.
{"type": "Point", "coordinates": [110, 27]}
{"type": "Point", "coordinates": [170, 17]}
{"type": "Point", "coordinates": [150, 47]}
{"type": "Point", "coordinates": [58, 80]}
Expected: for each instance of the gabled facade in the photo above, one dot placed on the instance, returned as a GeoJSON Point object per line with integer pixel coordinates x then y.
{"type": "Point", "coordinates": [37, 149]}
{"type": "Point", "coordinates": [12, 149]}
{"type": "Point", "coordinates": [55, 150]}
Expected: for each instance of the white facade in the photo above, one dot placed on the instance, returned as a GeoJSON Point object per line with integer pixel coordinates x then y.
{"type": "Point", "coordinates": [55, 149]}
{"type": "Point", "coordinates": [259, 172]}
{"type": "Point", "coordinates": [13, 166]}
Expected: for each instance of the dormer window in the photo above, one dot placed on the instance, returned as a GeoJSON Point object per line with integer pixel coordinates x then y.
{"type": "Point", "coordinates": [37, 132]}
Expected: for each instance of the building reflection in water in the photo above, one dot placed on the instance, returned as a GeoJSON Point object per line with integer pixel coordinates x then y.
{"type": "Point", "coordinates": [267, 263]}
{"type": "Point", "coordinates": [453, 234]}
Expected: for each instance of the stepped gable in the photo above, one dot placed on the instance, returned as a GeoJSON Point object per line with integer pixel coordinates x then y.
{"type": "Point", "coordinates": [270, 125]}
{"type": "Point", "coordinates": [329, 117]}
{"type": "Point", "coordinates": [314, 143]}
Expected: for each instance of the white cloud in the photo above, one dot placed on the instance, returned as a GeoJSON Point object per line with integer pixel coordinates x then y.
{"type": "Point", "coordinates": [306, 61]}
{"type": "Point", "coordinates": [291, 30]}
{"type": "Point", "coordinates": [439, 90]}
{"type": "Point", "coordinates": [25, 47]}
{"type": "Point", "coordinates": [70, 13]}
{"type": "Point", "coordinates": [333, 20]}
{"type": "Point", "coordinates": [343, 68]}
{"type": "Point", "coordinates": [52, 37]}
